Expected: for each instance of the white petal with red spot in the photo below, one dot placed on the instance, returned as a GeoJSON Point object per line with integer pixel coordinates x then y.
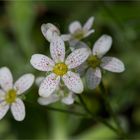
{"type": "Point", "coordinates": [6, 79]}
{"type": "Point", "coordinates": [18, 110]}
{"type": "Point", "coordinates": [93, 77]}
{"type": "Point", "coordinates": [102, 45]}
{"type": "Point", "coordinates": [112, 64]}
{"type": "Point", "coordinates": [24, 83]}
{"type": "Point", "coordinates": [57, 49]}
{"type": "Point", "coordinates": [41, 62]}
{"type": "Point", "coordinates": [74, 26]}
{"type": "Point", "coordinates": [49, 85]}
{"type": "Point", "coordinates": [73, 82]}
{"type": "Point", "coordinates": [77, 57]}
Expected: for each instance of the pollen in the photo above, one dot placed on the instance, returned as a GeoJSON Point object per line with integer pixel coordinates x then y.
{"type": "Point", "coordinates": [93, 61]}
{"type": "Point", "coordinates": [60, 69]}
{"type": "Point", "coordinates": [10, 96]}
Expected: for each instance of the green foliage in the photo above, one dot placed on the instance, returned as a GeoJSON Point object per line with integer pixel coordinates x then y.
{"type": "Point", "coordinates": [20, 37]}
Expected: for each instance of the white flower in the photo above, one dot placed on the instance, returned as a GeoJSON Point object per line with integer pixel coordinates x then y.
{"type": "Point", "coordinates": [9, 94]}
{"type": "Point", "coordinates": [60, 94]}
{"type": "Point", "coordinates": [77, 32]}
{"type": "Point", "coordinates": [96, 61]}
{"type": "Point", "coordinates": [59, 67]}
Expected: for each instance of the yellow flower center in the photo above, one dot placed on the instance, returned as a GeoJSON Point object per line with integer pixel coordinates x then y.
{"type": "Point", "coordinates": [79, 34]}
{"type": "Point", "coordinates": [10, 96]}
{"type": "Point", "coordinates": [60, 69]}
{"type": "Point", "coordinates": [93, 61]}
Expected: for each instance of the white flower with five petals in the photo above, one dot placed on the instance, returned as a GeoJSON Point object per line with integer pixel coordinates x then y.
{"type": "Point", "coordinates": [77, 32]}
{"type": "Point", "coordinates": [60, 94]}
{"type": "Point", "coordinates": [9, 94]}
{"type": "Point", "coordinates": [59, 67]}
{"type": "Point", "coordinates": [97, 60]}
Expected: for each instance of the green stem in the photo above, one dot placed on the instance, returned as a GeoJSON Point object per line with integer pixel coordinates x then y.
{"type": "Point", "coordinates": [94, 117]}
{"type": "Point", "coordinates": [67, 111]}
{"type": "Point", "coordinates": [111, 111]}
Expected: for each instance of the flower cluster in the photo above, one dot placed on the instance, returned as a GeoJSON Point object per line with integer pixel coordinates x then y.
{"type": "Point", "coordinates": [63, 71]}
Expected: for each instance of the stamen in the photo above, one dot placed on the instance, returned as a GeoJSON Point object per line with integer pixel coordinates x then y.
{"type": "Point", "coordinates": [60, 69]}
{"type": "Point", "coordinates": [93, 61]}
{"type": "Point", "coordinates": [10, 96]}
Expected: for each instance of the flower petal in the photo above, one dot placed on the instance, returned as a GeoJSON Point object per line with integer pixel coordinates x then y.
{"type": "Point", "coordinates": [66, 37]}
{"type": "Point", "coordinates": [93, 78]}
{"type": "Point", "coordinates": [77, 57]}
{"type": "Point", "coordinates": [74, 26]}
{"type": "Point", "coordinates": [3, 109]}
{"type": "Point", "coordinates": [89, 33]}
{"type": "Point", "coordinates": [102, 45]}
{"type": "Point", "coordinates": [69, 99]}
{"type": "Point", "coordinates": [49, 30]}
{"type": "Point", "coordinates": [2, 93]}
{"type": "Point", "coordinates": [57, 49]}
{"type": "Point", "coordinates": [76, 44]}
{"type": "Point", "coordinates": [73, 82]}
{"type": "Point", "coordinates": [48, 100]}
{"type": "Point", "coordinates": [39, 80]}
{"type": "Point", "coordinates": [41, 62]}
{"type": "Point", "coordinates": [49, 85]}
{"type": "Point", "coordinates": [89, 23]}
{"type": "Point", "coordinates": [18, 110]}
{"type": "Point", "coordinates": [82, 68]}
{"type": "Point", "coordinates": [6, 79]}
{"type": "Point", "coordinates": [24, 83]}
{"type": "Point", "coordinates": [112, 64]}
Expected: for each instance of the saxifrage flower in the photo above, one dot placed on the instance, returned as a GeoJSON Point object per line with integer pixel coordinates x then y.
{"type": "Point", "coordinates": [59, 67]}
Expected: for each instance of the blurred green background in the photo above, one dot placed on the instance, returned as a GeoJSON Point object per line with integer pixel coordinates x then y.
{"type": "Point", "coordinates": [20, 37]}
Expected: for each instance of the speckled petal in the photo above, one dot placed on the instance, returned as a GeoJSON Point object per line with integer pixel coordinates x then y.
{"type": "Point", "coordinates": [57, 49]}
{"type": "Point", "coordinates": [41, 62]}
{"type": "Point", "coordinates": [24, 83]}
{"type": "Point", "coordinates": [73, 82]}
{"type": "Point", "coordinates": [102, 45]}
{"type": "Point", "coordinates": [93, 78]}
{"type": "Point", "coordinates": [18, 110]}
{"type": "Point", "coordinates": [74, 26]}
{"type": "Point", "coordinates": [112, 64]}
{"type": "Point", "coordinates": [6, 79]}
{"type": "Point", "coordinates": [49, 85]}
{"type": "Point", "coordinates": [77, 57]}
